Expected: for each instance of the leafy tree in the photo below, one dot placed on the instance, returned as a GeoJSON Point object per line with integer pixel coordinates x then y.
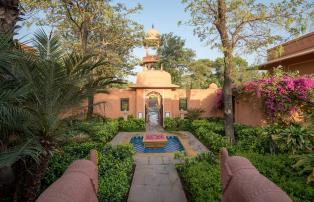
{"type": "Point", "coordinates": [199, 75]}
{"type": "Point", "coordinates": [174, 56]}
{"type": "Point", "coordinates": [93, 26]}
{"type": "Point", "coordinates": [242, 72]}
{"type": "Point", "coordinates": [37, 88]}
{"type": "Point", "coordinates": [244, 25]}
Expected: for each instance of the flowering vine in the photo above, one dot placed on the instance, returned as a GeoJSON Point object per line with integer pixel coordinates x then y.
{"type": "Point", "coordinates": [281, 95]}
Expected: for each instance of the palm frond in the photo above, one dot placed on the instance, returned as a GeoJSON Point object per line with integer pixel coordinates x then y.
{"type": "Point", "coordinates": [47, 46]}
{"type": "Point", "coordinates": [29, 149]}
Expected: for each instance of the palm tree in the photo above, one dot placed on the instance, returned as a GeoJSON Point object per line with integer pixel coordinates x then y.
{"type": "Point", "coordinates": [50, 82]}
{"type": "Point", "coordinates": [9, 15]}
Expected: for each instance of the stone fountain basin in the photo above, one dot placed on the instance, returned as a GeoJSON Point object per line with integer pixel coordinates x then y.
{"type": "Point", "coordinates": [155, 140]}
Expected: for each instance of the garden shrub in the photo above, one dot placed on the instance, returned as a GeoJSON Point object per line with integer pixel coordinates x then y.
{"type": "Point", "coordinates": [250, 139]}
{"type": "Point", "coordinates": [99, 132]}
{"type": "Point", "coordinates": [214, 126]}
{"type": "Point", "coordinates": [131, 125]}
{"type": "Point", "coordinates": [211, 139]}
{"type": "Point", "coordinates": [305, 166]}
{"type": "Point", "coordinates": [63, 157]}
{"type": "Point", "coordinates": [292, 139]}
{"type": "Point", "coordinates": [282, 93]}
{"type": "Point", "coordinates": [115, 168]}
{"type": "Point", "coordinates": [201, 178]}
{"type": "Point", "coordinates": [278, 169]}
{"type": "Point", "coordinates": [170, 124]}
{"type": "Point", "coordinates": [177, 124]}
{"type": "Point", "coordinates": [183, 124]}
{"type": "Point", "coordinates": [194, 113]}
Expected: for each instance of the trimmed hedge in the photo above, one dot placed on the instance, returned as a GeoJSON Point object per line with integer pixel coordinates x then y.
{"type": "Point", "coordinates": [131, 125]}
{"type": "Point", "coordinates": [99, 134]}
{"type": "Point", "coordinates": [115, 172]}
{"type": "Point", "coordinates": [63, 157]}
{"type": "Point", "coordinates": [201, 179]}
{"type": "Point", "coordinates": [211, 139]}
{"type": "Point", "coordinates": [278, 169]}
{"type": "Point", "coordinates": [256, 144]}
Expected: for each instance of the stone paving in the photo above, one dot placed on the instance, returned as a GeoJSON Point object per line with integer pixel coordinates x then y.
{"type": "Point", "coordinates": [156, 180]}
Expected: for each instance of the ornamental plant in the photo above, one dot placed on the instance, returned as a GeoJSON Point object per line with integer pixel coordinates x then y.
{"type": "Point", "coordinates": [283, 94]}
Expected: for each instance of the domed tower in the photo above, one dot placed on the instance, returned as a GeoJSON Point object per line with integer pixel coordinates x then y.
{"type": "Point", "coordinates": [151, 44]}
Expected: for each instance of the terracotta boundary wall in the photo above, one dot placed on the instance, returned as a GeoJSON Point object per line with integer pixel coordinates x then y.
{"type": "Point", "coordinates": [78, 183]}
{"type": "Point", "coordinates": [241, 181]}
{"type": "Point", "coordinates": [249, 110]}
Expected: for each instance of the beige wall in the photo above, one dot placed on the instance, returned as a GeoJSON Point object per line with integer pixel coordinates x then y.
{"type": "Point", "coordinates": [109, 104]}
{"type": "Point", "coordinates": [303, 67]}
{"type": "Point", "coordinates": [249, 111]}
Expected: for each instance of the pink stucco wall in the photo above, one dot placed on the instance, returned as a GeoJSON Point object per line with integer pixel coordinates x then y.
{"type": "Point", "coordinates": [249, 111]}
{"type": "Point", "coordinates": [108, 105]}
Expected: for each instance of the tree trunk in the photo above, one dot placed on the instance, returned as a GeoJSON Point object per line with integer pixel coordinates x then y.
{"type": "Point", "coordinates": [33, 178]}
{"type": "Point", "coordinates": [227, 91]}
{"type": "Point", "coordinates": [90, 107]}
{"type": "Point", "coordinates": [9, 13]}
{"type": "Point", "coordinates": [227, 87]}
{"type": "Point", "coordinates": [84, 40]}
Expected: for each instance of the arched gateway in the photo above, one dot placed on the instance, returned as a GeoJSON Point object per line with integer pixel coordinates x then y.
{"type": "Point", "coordinates": [154, 97]}
{"type": "Point", "coordinates": [154, 108]}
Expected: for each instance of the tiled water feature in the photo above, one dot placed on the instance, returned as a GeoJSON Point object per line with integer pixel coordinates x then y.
{"type": "Point", "coordinates": [172, 145]}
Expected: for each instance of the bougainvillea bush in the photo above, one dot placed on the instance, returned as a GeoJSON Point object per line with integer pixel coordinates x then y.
{"type": "Point", "coordinates": [283, 94]}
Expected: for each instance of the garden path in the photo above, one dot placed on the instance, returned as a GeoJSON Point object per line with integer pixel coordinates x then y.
{"type": "Point", "coordinates": [156, 180]}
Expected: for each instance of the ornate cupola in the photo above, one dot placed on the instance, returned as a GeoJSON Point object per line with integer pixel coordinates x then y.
{"type": "Point", "coordinates": [151, 44]}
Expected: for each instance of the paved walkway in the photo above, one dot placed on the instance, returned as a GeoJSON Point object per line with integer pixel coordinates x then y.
{"type": "Point", "coordinates": [156, 180]}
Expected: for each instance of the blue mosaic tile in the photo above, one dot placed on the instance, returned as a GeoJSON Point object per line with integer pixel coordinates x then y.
{"type": "Point", "coordinates": [172, 145]}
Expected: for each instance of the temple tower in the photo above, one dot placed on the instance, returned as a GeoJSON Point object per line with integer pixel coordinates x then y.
{"type": "Point", "coordinates": [151, 44]}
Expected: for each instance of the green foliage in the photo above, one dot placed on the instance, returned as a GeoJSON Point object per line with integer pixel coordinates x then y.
{"type": "Point", "coordinates": [259, 147]}
{"type": "Point", "coordinates": [99, 132]}
{"type": "Point", "coordinates": [131, 125]}
{"type": "Point", "coordinates": [305, 165]}
{"type": "Point", "coordinates": [211, 139]}
{"type": "Point", "coordinates": [200, 74]}
{"type": "Point", "coordinates": [294, 139]}
{"type": "Point", "coordinates": [215, 126]}
{"type": "Point", "coordinates": [63, 157]}
{"type": "Point", "coordinates": [250, 139]}
{"type": "Point", "coordinates": [194, 113]}
{"type": "Point", "coordinates": [101, 27]}
{"type": "Point", "coordinates": [201, 178]}
{"type": "Point", "coordinates": [278, 169]}
{"type": "Point", "coordinates": [115, 168]}
{"type": "Point", "coordinates": [183, 124]}
{"type": "Point", "coordinates": [174, 56]}
{"type": "Point", "coordinates": [170, 124]}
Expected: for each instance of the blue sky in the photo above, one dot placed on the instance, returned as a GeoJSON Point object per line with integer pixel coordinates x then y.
{"type": "Point", "coordinates": [164, 14]}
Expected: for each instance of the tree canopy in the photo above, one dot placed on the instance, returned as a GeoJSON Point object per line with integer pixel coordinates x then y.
{"type": "Point", "coordinates": [174, 56]}
{"type": "Point", "coordinates": [244, 26]}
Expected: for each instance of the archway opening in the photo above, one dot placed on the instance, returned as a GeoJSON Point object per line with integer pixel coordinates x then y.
{"type": "Point", "coordinates": [154, 109]}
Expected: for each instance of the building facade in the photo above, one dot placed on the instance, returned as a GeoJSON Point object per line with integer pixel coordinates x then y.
{"type": "Point", "coordinates": [154, 93]}
{"type": "Point", "coordinates": [294, 55]}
